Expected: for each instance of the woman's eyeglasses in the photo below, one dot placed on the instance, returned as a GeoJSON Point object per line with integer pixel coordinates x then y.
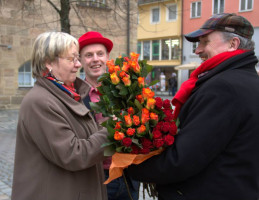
{"type": "Point", "coordinates": [73, 59]}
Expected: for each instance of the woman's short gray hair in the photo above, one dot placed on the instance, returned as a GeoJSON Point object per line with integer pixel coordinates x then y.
{"type": "Point", "coordinates": [47, 47]}
{"type": "Point", "coordinates": [245, 43]}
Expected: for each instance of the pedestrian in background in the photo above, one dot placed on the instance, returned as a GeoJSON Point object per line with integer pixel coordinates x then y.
{"type": "Point", "coordinates": [58, 148]}
{"type": "Point", "coordinates": [215, 153]}
{"type": "Point", "coordinates": [94, 51]}
{"type": "Point", "coordinates": [172, 83]}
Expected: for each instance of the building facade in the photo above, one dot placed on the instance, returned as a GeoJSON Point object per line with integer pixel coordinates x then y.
{"type": "Point", "coordinates": [21, 21]}
{"type": "Point", "coordinates": [196, 12]}
{"type": "Point", "coordinates": [159, 37]}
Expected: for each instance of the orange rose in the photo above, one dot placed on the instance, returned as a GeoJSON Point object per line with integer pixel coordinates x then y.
{"type": "Point", "coordinates": [111, 66]}
{"type": "Point", "coordinates": [134, 56]}
{"type": "Point", "coordinates": [150, 103]}
{"type": "Point", "coordinates": [144, 116]}
{"type": "Point", "coordinates": [141, 81]}
{"type": "Point", "coordinates": [135, 66]}
{"type": "Point", "coordinates": [111, 69]}
{"type": "Point", "coordinates": [118, 125]}
{"type": "Point", "coordinates": [117, 68]}
{"type": "Point", "coordinates": [128, 120]}
{"type": "Point", "coordinates": [136, 120]}
{"type": "Point", "coordinates": [131, 110]}
{"type": "Point", "coordinates": [154, 116]}
{"type": "Point", "coordinates": [126, 81]}
{"type": "Point", "coordinates": [125, 67]}
{"type": "Point", "coordinates": [140, 98]}
{"type": "Point", "coordinates": [141, 129]}
{"type": "Point", "coordinates": [114, 78]}
{"type": "Point", "coordinates": [110, 63]}
{"type": "Point", "coordinates": [123, 74]}
{"type": "Point", "coordinates": [147, 93]}
{"type": "Point", "coordinates": [131, 131]}
{"type": "Point", "coordinates": [145, 111]}
{"type": "Point", "coordinates": [118, 135]}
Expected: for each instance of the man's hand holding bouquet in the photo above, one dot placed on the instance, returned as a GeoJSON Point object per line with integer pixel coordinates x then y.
{"type": "Point", "coordinates": [144, 124]}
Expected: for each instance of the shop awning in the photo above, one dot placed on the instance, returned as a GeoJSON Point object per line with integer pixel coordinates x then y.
{"type": "Point", "coordinates": [190, 66]}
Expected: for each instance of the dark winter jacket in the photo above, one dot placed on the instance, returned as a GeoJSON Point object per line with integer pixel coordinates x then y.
{"type": "Point", "coordinates": [216, 153]}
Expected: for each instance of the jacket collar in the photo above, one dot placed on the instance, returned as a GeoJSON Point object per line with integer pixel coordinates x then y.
{"type": "Point", "coordinates": [247, 59]}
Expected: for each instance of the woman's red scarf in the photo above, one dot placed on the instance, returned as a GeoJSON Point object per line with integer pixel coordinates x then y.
{"type": "Point", "coordinates": [70, 90]}
{"type": "Point", "coordinates": [186, 88]}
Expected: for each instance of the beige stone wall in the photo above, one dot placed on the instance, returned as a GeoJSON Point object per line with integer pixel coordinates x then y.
{"type": "Point", "coordinates": [21, 21]}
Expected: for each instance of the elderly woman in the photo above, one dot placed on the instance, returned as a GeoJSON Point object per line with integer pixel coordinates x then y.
{"type": "Point", "coordinates": [58, 148]}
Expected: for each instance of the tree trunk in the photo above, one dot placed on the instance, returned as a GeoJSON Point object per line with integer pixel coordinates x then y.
{"type": "Point", "coordinates": [64, 16]}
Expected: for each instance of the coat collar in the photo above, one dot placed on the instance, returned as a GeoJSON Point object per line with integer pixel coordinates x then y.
{"type": "Point", "coordinates": [82, 88]}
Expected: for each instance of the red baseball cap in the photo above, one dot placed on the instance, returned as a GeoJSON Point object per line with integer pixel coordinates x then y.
{"type": "Point", "coordinates": [93, 37]}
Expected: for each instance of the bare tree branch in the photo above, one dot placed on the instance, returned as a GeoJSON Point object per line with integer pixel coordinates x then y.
{"type": "Point", "coordinates": [54, 6]}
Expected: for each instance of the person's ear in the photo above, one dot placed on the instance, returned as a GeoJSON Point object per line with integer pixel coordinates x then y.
{"type": "Point", "coordinates": [48, 65]}
{"type": "Point", "coordinates": [234, 43]}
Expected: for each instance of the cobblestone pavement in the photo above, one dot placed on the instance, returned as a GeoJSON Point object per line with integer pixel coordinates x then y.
{"type": "Point", "coordinates": [8, 123]}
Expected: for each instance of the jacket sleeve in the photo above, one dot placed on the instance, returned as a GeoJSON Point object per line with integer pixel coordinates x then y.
{"type": "Point", "coordinates": [54, 135]}
{"type": "Point", "coordinates": [208, 123]}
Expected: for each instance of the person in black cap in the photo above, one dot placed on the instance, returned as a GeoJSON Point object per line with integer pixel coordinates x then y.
{"type": "Point", "coordinates": [215, 154]}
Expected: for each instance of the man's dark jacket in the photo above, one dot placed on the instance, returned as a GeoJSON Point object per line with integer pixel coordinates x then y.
{"type": "Point", "coordinates": [216, 153]}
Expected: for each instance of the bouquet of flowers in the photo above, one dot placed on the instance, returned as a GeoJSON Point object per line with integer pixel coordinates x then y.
{"type": "Point", "coordinates": [140, 125]}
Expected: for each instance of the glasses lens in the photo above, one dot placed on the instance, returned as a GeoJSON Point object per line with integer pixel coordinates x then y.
{"type": "Point", "coordinates": [77, 58]}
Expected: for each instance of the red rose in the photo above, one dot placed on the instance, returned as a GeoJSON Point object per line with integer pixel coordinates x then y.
{"type": "Point", "coordinates": [159, 125]}
{"type": "Point", "coordinates": [159, 102]}
{"type": "Point", "coordinates": [157, 134]}
{"type": "Point", "coordinates": [135, 149]}
{"type": "Point", "coordinates": [144, 151]}
{"type": "Point", "coordinates": [126, 141]}
{"type": "Point", "coordinates": [166, 104]}
{"type": "Point", "coordinates": [146, 143]}
{"type": "Point", "coordinates": [166, 127]}
{"type": "Point", "coordinates": [173, 128]}
{"type": "Point", "coordinates": [158, 143]}
{"type": "Point", "coordinates": [169, 140]}
{"type": "Point", "coordinates": [168, 115]}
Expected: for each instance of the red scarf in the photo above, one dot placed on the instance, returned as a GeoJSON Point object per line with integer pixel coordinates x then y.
{"type": "Point", "coordinates": [70, 90]}
{"type": "Point", "coordinates": [186, 88]}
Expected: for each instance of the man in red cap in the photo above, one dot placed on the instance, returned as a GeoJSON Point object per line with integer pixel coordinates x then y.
{"type": "Point", "coordinates": [215, 153]}
{"type": "Point", "coordinates": [94, 52]}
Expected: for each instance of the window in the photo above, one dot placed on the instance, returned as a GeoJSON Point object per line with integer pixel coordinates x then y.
{"type": "Point", "coordinates": [175, 53]}
{"type": "Point", "coordinates": [218, 6]}
{"type": "Point", "coordinates": [165, 49]}
{"type": "Point", "coordinates": [139, 49]}
{"type": "Point", "coordinates": [196, 9]}
{"type": "Point", "coordinates": [25, 75]}
{"type": "Point", "coordinates": [93, 3]}
{"type": "Point", "coordinates": [146, 50]}
{"type": "Point", "coordinates": [171, 12]}
{"type": "Point", "coordinates": [246, 5]}
{"type": "Point", "coordinates": [194, 46]}
{"type": "Point", "coordinates": [82, 74]}
{"type": "Point", "coordinates": [155, 50]}
{"type": "Point", "coordinates": [155, 15]}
